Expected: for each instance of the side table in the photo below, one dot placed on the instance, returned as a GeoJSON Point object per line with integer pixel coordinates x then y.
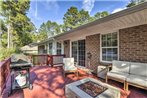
{"type": "Point", "coordinates": [102, 71]}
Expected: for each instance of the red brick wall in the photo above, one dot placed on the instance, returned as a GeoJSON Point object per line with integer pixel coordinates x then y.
{"type": "Point", "coordinates": [133, 44]}
{"type": "Point", "coordinates": [93, 46]}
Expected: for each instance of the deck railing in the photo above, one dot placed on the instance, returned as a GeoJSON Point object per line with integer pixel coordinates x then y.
{"type": "Point", "coordinates": [36, 60]}
{"type": "Point", "coordinates": [4, 73]}
{"type": "Point", "coordinates": [45, 59]}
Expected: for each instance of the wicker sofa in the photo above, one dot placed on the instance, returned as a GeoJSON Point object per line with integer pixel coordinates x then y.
{"type": "Point", "coordinates": [129, 73]}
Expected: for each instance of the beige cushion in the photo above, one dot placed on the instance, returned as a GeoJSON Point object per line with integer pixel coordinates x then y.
{"type": "Point", "coordinates": [138, 69]}
{"type": "Point", "coordinates": [120, 66]}
{"type": "Point", "coordinates": [69, 64]}
{"type": "Point", "coordinates": [139, 80]}
{"type": "Point", "coordinates": [118, 75]}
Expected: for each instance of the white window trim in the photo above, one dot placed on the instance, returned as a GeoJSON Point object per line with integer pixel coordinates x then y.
{"type": "Point", "coordinates": [108, 47]}
{"type": "Point", "coordinates": [61, 48]}
{"type": "Point", "coordinates": [55, 47]}
{"type": "Point", "coordinates": [49, 48]}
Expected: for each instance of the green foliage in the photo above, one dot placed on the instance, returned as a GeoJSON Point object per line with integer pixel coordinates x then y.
{"type": "Point", "coordinates": [70, 18]}
{"type": "Point", "coordinates": [73, 18]}
{"type": "Point", "coordinates": [99, 15]}
{"type": "Point", "coordinates": [48, 29]}
{"type": "Point", "coordinates": [42, 36]}
{"type": "Point", "coordinates": [14, 13]}
{"type": "Point", "coordinates": [52, 28]}
{"type": "Point", "coordinates": [3, 35]}
{"type": "Point", "coordinates": [134, 2]}
{"type": "Point", "coordinates": [83, 17]}
{"type": "Point", "coordinates": [34, 37]}
{"type": "Point", "coordinates": [3, 27]}
{"type": "Point", "coordinates": [4, 39]}
{"type": "Point", "coordinates": [7, 52]}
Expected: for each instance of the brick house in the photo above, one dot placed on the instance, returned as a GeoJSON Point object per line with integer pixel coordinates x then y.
{"type": "Point", "coordinates": [119, 36]}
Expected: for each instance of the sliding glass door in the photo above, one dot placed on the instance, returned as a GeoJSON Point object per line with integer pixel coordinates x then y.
{"type": "Point", "coordinates": [78, 51]}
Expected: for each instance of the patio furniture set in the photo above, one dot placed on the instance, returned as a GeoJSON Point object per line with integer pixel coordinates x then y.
{"type": "Point", "coordinates": [83, 88]}
{"type": "Point", "coordinates": [129, 73]}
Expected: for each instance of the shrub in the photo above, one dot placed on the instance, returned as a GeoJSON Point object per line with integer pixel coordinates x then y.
{"type": "Point", "coordinates": [7, 52]}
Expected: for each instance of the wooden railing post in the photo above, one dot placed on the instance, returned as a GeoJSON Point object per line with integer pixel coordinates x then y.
{"type": "Point", "coordinates": [4, 74]}
{"type": "Point", "coordinates": [52, 61]}
{"type": "Point", "coordinates": [48, 59]}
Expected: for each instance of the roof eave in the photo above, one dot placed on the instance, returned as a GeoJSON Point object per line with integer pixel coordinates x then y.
{"type": "Point", "coordinates": [109, 17]}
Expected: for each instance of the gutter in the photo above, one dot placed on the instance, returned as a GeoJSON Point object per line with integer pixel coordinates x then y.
{"type": "Point", "coordinates": [44, 41]}
{"type": "Point", "coordinates": [105, 19]}
{"type": "Point", "coordinates": [109, 17]}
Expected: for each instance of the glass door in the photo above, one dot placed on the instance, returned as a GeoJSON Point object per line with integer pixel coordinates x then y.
{"type": "Point", "coordinates": [78, 51]}
{"type": "Point", "coordinates": [81, 52]}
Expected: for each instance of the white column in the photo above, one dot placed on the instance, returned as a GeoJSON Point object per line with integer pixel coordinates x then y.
{"type": "Point", "coordinates": [70, 48]}
{"type": "Point", "coordinates": [62, 47]}
{"type": "Point", "coordinates": [47, 47]}
{"type": "Point", "coordinates": [54, 48]}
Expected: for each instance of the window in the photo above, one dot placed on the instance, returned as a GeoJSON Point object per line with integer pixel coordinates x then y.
{"type": "Point", "coordinates": [50, 48]}
{"type": "Point", "coordinates": [59, 48]}
{"type": "Point", "coordinates": [109, 47]}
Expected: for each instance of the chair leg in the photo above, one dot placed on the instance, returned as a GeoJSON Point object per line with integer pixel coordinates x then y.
{"type": "Point", "coordinates": [106, 80]}
{"type": "Point", "coordinates": [127, 86]}
{"type": "Point", "coordinates": [77, 73]}
{"type": "Point", "coordinates": [124, 85]}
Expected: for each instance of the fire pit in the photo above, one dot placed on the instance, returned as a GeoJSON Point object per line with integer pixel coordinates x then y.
{"type": "Point", "coordinates": [92, 88]}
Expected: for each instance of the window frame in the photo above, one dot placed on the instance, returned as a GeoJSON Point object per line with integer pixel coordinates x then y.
{"type": "Point", "coordinates": [57, 48]}
{"type": "Point", "coordinates": [101, 60]}
{"type": "Point", "coordinates": [50, 50]}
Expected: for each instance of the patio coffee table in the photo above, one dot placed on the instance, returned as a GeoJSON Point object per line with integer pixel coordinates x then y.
{"type": "Point", "coordinates": [73, 90]}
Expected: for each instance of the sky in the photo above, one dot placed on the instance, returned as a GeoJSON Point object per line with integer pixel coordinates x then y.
{"type": "Point", "coordinates": [43, 10]}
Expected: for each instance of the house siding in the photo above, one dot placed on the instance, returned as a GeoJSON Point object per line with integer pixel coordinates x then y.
{"type": "Point", "coordinates": [93, 46]}
{"type": "Point", "coordinates": [133, 44]}
{"type": "Point", "coordinates": [67, 48]}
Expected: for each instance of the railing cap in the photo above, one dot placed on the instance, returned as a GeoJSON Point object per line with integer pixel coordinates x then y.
{"type": "Point", "coordinates": [4, 61]}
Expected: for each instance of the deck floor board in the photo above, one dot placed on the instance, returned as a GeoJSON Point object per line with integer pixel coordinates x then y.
{"type": "Point", "coordinates": [49, 82]}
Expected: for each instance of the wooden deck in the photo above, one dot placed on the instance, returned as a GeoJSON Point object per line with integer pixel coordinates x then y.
{"type": "Point", "coordinates": [49, 82]}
